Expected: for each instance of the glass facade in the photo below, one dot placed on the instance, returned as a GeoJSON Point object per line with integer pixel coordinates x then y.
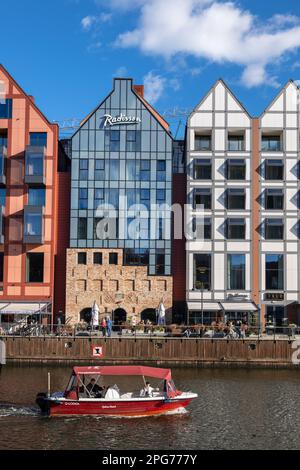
{"type": "Point", "coordinates": [116, 167]}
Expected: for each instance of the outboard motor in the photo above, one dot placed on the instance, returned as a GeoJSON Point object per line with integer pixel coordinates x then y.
{"type": "Point", "coordinates": [42, 402]}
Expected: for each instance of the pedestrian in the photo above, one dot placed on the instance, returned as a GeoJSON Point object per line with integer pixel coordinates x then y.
{"type": "Point", "coordinates": [103, 326]}
{"type": "Point", "coordinates": [108, 326]}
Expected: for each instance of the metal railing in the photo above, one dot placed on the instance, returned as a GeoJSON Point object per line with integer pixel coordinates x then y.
{"type": "Point", "coordinates": [150, 331]}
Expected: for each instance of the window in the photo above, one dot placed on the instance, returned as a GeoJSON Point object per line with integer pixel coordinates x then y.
{"type": "Point", "coordinates": [202, 271]}
{"type": "Point", "coordinates": [236, 199]}
{"type": "Point", "coordinates": [113, 197]}
{"type": "Point", "coordinates": [161, 170]}
{"type": "Point", "coordinates": [5, 109]}
{"type": "Point", "coordinates": [274, 170]}
{"type": "Point", "coordinates": [114, 170]}
{"type": "Point", "coordinates": [274, 199]}
{"type": "Point", "coordinates": [160, 263]}
{"type": "Point", "coordinates": [131, 197]}
{"type": "Point", "coordinates": [82, 228]}
{"type": "Point", "coordinates": [274, 229]}
{"type": "Point", "coordinates": [84, 169]}
{"type": "Point", "coordinates": [33, 224]}
{"type": "Point", "coordinates": [3, 138]}
{"type": "Point", "coordinates": [145, 170]}
{"type": "Point", "coordinates": [99, 170]}
{"type": "Point", "coordinates": [136, 257]}
{"type": "Point", "coordinates": [236, 169]}
{"type": "Point", "coordinates": [202, 197]}
{"type": "Point", "coordinates": [202, 169]}
{"type": "Point", "coordinates": [236, 271]}
{"type": "Point", "coordinates": [202, 142]}
{"type": "Point", "coordinates": [113, 258]}
{"type": "Point", "coordinates": [236, 142]}
{"type": "Point", "coordinates": [236, 229]}
{"type": "Point", "coordinates": [2, 196]}
{"type": "Point", "coordinates": [271, 143]}
{"type": "Point", "coordinates": [97, 258]}
{"type": "Point", "coordinates": [133, 141]}
{"type": "Point", "coordinates": [36, 197]}
{"type": "Point", "coordinates": [98, 197]}
{"type": "Point", "coordinates": [81, 257]}
{"type": "Point", "coordinates": [202, 228]}
{"type": "Point", "coordinates": [274, 272]}
{"type": "Point", "coordinates": [145, 198]}
{"type": "Point", "coordinates": [1, 266]}
{"type": "Point", "coordinates": [160, 196]}
{"type": "Point", "coordinates": [83, 198]}
{"type": "Point", "coordinates": [131, 170]}
{"type": "Point", "coordinates": [38, 139]}
{"type": "Point", "coordinates": [34, 163]}
{"type": "Point", "coordinates": [35, 267]}
{"type": "Point", "coordinates": [112, 141]}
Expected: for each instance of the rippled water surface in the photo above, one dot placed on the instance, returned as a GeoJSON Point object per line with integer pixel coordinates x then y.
{"type": "Point", "coordinates": [236, 409]}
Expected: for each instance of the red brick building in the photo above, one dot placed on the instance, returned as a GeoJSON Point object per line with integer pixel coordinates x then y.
{"type": "Point", "coordinates": [34, 201]}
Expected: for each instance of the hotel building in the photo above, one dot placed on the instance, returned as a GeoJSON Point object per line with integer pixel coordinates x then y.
{"type": "Point", "coordinates": [243, 192]}
{"type": "Point", "coordinates": [121, 157]}
{"type": "Point", "coordinates": [33, 171]}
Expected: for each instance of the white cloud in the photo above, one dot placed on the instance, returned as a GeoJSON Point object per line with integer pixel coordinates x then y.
{"type": "Point", "coordinates": [94, 47]}
{"type": "Point", "coordinates": [154, 87]}
{"type": "Point", "coordinates": [105, 17]}
{"type": "Point", "coordinates": [87, 22]}
{"type": "Point", "coordinates": [218, 31]}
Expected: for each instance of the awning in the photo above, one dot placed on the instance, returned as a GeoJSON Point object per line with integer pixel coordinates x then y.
{"type": "Point", "coordinates": [239, 307]}
{"type": "Point", "coordinates": [16, 308]}
{"type": "Point", "coordinates": [207, 306]}
{"type": "Point", "coordinates": [124, 370]}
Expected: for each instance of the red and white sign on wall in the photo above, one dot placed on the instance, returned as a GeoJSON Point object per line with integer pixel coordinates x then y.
{"type": "Point", "coordinates": [97, 351]}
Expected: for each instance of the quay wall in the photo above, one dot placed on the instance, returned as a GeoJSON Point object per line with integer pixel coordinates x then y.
{"type": "Point", "coordinates": [164, 351]}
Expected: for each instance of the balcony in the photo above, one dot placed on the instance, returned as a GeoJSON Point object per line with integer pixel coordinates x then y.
{"type": "Point", "coordinates": [2, 215]}
{"type": "Point", "coordinates": [33, 224]}
{"type": "Point", "coordinates": [3, 153]}
{"type": "Point", "coordinates": [35, 165]}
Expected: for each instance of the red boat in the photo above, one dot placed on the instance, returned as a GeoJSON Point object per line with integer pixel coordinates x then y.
{"type": "Point", "coordinates": [96, 398]}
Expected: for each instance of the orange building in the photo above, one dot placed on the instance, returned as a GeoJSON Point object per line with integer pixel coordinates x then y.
{"type": "Point", "coordinates": [33, 169]}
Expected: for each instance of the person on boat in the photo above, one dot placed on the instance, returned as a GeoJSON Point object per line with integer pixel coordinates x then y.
{"type": "Point", "coordinates": [94, 389]}
{"type": "Point", "coordinates": [147, 391]}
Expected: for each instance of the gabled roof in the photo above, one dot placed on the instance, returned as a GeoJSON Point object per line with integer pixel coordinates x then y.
{"type": "Point", "coordinates": [222, 82]}
{"type": "Point", "coordinates": [289, 82]}
{"type": "Point", "coordinates": [11, 79]}
{"type": "Point", "coordinates": [154, 113]}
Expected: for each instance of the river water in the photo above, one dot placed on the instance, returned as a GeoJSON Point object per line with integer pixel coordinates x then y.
{"type": "Point", "coordinates": [236, 409]}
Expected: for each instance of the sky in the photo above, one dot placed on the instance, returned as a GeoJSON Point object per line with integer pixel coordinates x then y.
{"type": "Point", "coordinates": [66, 52]}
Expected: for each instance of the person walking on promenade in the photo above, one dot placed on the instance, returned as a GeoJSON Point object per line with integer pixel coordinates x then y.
{"type": "Point", "coordinates": [103, 326]}
{"type": "Point", "coordinates": [108, 326]}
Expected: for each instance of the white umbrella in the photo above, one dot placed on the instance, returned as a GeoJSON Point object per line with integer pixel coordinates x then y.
{"type": "Point", "coordinates": [95, 314]}
{"type": "Point", "coordinates": [161, 314]}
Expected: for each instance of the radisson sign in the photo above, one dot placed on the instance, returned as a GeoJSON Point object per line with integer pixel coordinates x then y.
{"type": "Point", "coordinates": [109, 120]}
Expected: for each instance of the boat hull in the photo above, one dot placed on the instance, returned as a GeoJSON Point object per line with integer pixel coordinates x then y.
{"type": "Point", "coordinates": [116, 408]}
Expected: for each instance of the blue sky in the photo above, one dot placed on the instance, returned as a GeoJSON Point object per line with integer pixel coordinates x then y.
{"type": "Point", "coordinates": [66, 52]}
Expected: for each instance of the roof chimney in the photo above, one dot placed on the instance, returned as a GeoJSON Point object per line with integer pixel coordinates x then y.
{"type": "Point", "coordinates": [139, 89]}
